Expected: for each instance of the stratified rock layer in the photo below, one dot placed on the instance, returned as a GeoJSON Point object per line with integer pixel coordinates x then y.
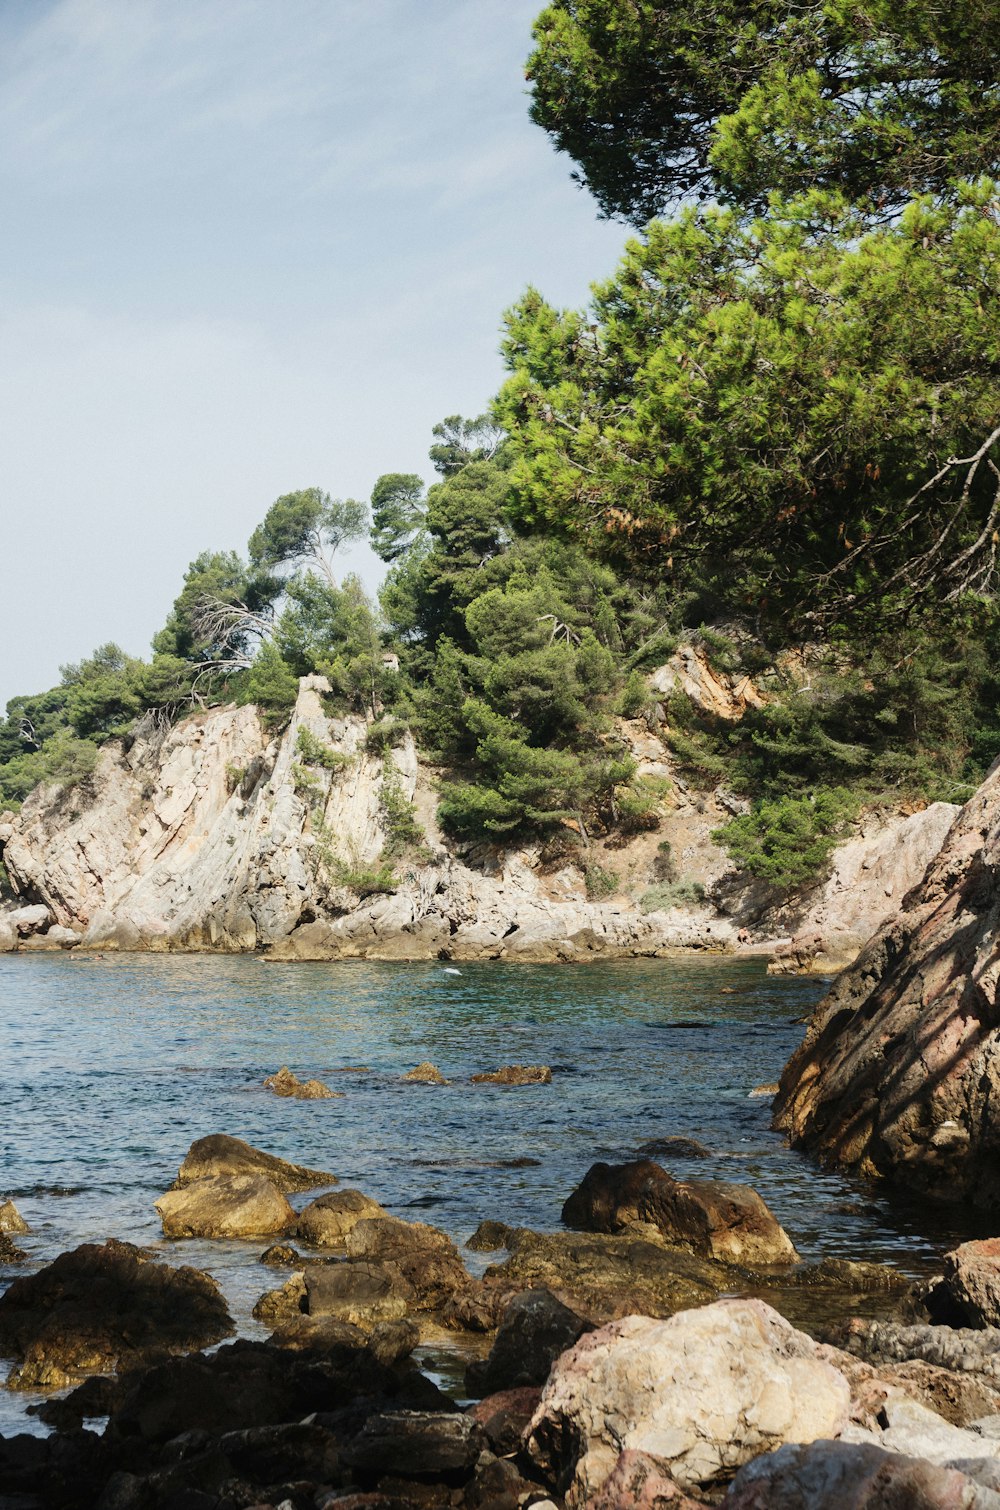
{"type": "Point", "coordinates": [899, 1073]}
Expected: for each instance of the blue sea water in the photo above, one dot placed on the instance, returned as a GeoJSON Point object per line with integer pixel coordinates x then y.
{"type": "Point", "coordinates": [111, 1067]}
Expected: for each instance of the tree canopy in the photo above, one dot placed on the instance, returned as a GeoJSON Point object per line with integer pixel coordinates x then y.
{"type": "Point", "coordinates": [659, 100]}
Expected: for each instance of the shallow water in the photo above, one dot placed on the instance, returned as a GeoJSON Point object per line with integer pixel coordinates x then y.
{"type": "Point", "coordinates": [111, 1067]}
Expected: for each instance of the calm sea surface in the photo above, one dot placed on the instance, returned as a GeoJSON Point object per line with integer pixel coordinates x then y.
{"type": "Point", "coordinates": [110, 1068]}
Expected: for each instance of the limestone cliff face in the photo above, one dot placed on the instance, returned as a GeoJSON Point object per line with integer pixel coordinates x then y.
{"type": "Point", "coordinates": [899, 1073]}
{"type": "Point", "coordinates": [213, 834]}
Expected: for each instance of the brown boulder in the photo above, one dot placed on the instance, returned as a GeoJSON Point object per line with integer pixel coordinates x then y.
{"type": "Point", "coordinates": [718, 1220]}
{"type": "Point", "coordinates": [416, 1444]}
{"type": "Point", "coordinates": [219, 1154]}
{"type": "Point", "coordinates": [849, 1476]}
{"type": "Point", "coordinates": [504, 1416]}
{"type": "Point", "coordinates": [516, 1074]}
{"type": "Point", "coordinates": [427, 1259]}
{"type": "Point", "coordinates": [534, 1329]}
{"type": "Point", "coordinates": [103, 1307]}
{"type": "Point", "coordinates": [284, 1083]}
{"type": "Point", "coordinates": [225, 1206]}
{"type": "Point", "coordinates": [426, 1074]}
{"type": "Point", "coordinates": [968, 1292]}
{"type": "Point", "coordinates": [11, 1219]}
{"type": "Point", "coordinates": [10, 1253]}
{"type": "Point", "coordinates": [357, 1291]}
{"type": "Point", "coordinates": [327, 1220]}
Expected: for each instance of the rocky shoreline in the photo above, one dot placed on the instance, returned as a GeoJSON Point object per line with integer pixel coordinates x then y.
{"type": "Point", "coordinates": [656, 1352]}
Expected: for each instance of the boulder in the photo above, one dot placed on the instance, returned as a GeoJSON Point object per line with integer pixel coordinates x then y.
{"type": "Point", "coordinates": [425, 1074]}
{"type": "Point", "coordinates": [8, 936]}
{"type": "Point", "coordinates": [356, 1291]}
{"type": "Point", "coordinates": [716, 1219]}
{"type": "Point", "coordinates": [10, 1253]}
{"type": "Point", "coordinates": [675, 1146]}
{"type": "Point", "coordinates": [899, 1072]}
{"type": "Point", "coordinates": [284, 1083]}
{"type": "Point", "coordinates": [106, 1306]}
{"type": "Point", "coordinates": [640, 1481]}
{"type": "Point", "coordinates": [704, 1392]}
{"type": "Point", "coordinates": [968, 1292]}
{"type": "Point", "coordinates": [11, 1219]}
{"type": "Point", "coordinates": [28, 920]}
{"type": "Point", "coordinates": [425, 1258]}
{"type": "Point", "coordinates": [66, 938]}
{"type": "Point", "coordinates": [284, 1304]}
{"type": "Point", "coordinates": [240, 1205]}
{"type": "Point", "coordinates": [504, 1417]}
{"type": "Point", "coordinates": [219, 1154]}
{"type": "Point", "coordinates": [416, 1444]}
{"type": "Point", "coordinates": [534, 1329]}
{"type": "Point", "coordinates": [843, 1476]}
{"type": "Point", "coordinates": [326, 1221]}
{"type": "Point", "coordinates": [280, 1256]}
{"type": "Point", "coordinates": [516, 1074]}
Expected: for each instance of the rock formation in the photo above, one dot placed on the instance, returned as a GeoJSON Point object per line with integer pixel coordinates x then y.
{"type": "Point", "coordinates": [899, 1073]}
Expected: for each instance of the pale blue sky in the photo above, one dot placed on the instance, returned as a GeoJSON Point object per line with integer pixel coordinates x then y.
{"type": "Point", "coordinates": [249, 246]}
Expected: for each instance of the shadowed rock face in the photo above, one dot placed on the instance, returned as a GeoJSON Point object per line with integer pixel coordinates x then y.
{"type": "Point", "coordinates": [899, 1073]}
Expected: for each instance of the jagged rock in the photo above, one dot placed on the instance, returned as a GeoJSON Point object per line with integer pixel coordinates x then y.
{"type": "Point", "coordinates": [280, 1256]}
{"type": "Point", "coordinates": [28, 920]}
{"type": "Point", "coordinates": [11, 1219]}
{"type": "Point", "coordinates": [102, 1307]}
{"type": "Point", "coordinates": [317, 1334]}
{"type": "Point", "coordinates": [284, 1304]}
{"type": "Point", "coordinates": [706, 1391]}
{"type": "Point", "coordinates": [842, 1476]}
{"type": "Point", "coordinates": [8, 936]}
{"type": "Point", "coordinates": [326, 1221]}
{"type": "Point", "coordinates": [426, 1258]}
{"type": "Point", "coordinates": [504, 1416]}
{"type": "Point", "coordinates": [284, 1083]}
{"type": "Point", "coordinates": [534, 1329]}
{"type": "Point", "coordinates": [674, 1146]}
{"type": "Point", "coordinates": [717, 1220]}
{"type": "Point", "coordinates": [225, 1206]}
{"type": "Point", "coordinates": [489, 1236]}
{"type": "Point", "coordinates": [10, 1253]}
{"type": "Point", "coordinates": [425, 1074]}
{"type": "Point", "coordinates": [869, 877]}
{"type": "Point", "coordinates": [220, 1154]}
{"type": "Point", "coordinates": [912, 1428]}
{"type": "Point", "coordinates": [968, 1292]}
{"type": "Point", "coordinates": [358, 1292]}
{"type": "Point", "coordinates": [516, 1074]}
{"type": "Point", "coordinates": [899, 1073]}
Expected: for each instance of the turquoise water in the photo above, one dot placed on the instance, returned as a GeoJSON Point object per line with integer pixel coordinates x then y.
{"type": "Point", "coordinates": [111, 1067]}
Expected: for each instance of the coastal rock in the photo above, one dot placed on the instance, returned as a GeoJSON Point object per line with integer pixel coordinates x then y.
{"type": "Point", "coordinates": [869, 877]}
{"type": "Point", "coordinates": [425, 1074]}
{"type": "Point", "coordinates": [968, 1292]}
{"type": "Point", "coordinates": [426, 1259]}
{"type": "Point", "coordinates": [640, 1481]}
{"type": "Point", "coordinates": [8, 936]}
{"type": "Point", "coordinates": [516, 1074]}
{"type": "Point", "coordinates": [102, 1307]}
{"type": "Point", "coordinates": [356, 1291]}
{"type": "Point", "coordinates": [284, 1083]}
{"type": "Point", "coordinates": [326, 1221]}
{"type": "Point", "coordinates": [28, 920]}
{"type": "Point", "coordinates": [504, 1417]}
{"type": "Point", "coordinates": [219, 1154]}
{"type": "Point", "coordinates": [416, 1444]}
{"type": "Point", "coordinates": [225, 1206]}
{"type": "Point", "coordinates": [843, 1476]}
{"type": "Point", "coordinates": [717, 1220]}
{"type": "Point", "coordinates": [704, 1392]}
{"type": "Point", "coordinates": [11, 1219]}
{"type": "Point", "coordinates": [285, 1304]}
{"type": "Point", "coordinates": [899, 1073]}
{"type": "Point", "coordinates": [534, 1329]}
{"type": "Point", "coordinates": [10, 1253]}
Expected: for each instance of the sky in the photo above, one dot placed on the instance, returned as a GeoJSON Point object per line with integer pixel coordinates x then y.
{"type": "Point", "coordinates": [248, 247]}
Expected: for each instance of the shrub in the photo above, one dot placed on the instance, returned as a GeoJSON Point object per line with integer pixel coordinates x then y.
{"type": "Point", "coordinates": [788, 841]}
{"type": "Point", "coordinates": [600, 882]}
{"type": "Point", "coordinates": [683, 893]}
{"type": "Point", "coordinates": [384, 735]}
{"type": "Point", "coordinates": [314, 752]}
{"type": "Point", "coordinates": [402, 831]}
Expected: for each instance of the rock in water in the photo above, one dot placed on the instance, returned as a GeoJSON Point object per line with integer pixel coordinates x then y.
{"type": "Point", "coordinates": [327, 1220]}
{"type": "Point", "coordinates": [284, 1083]}
{"type": "Point", "coordinates": [240, 1205]}
{"type": "Point", "coordinates": [516, 1074]}
{"type": "Point", "coordinates": [219, 1154]}
{"type": "Point", "coordinates": [899, 1073]}
{"type": "Point", "coordinates": [704, 1392]}
{"type": "Point", "coordinates": [717, 1220]}
{"type": "Point", "coordinates": [426, 1074]}
{"type": "Point", "coordinates": [11, 1219]}
{"type": "Point", "coordinates": [968, 1292]}
{"type": "Point", "coordinates": [102, 1307]}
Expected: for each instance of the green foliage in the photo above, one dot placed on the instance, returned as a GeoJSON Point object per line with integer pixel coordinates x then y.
{"type": "Point", "coordinates": [63, 759]}
{"type": "Point", "coordinates": [461, 441]}
{"type": "Point", "coordinates": [666, 894]}
{"type": "Point", "coordinates": [600, 882]}
{"type": "Point", "coordinates": [657, 101]}
{"type": "Point", "coordinates": [272, 685]}
{"type": "Point", "coordinates": [384, 735]}
{"type": "Point", "coordinates": [403, 833]}
{"type": "Point", "coordinates": [762, 415]}
{"type": "Point", "coordinates": [397, 504]}
{"type": "Point", "coordinates": [235, 776]}
{"type": "Point", "coordinates": [307, 526]}
{"type": "Point", "coordinates": [787, 841]}
{"type": "Point", "coordinates": [314, 752]}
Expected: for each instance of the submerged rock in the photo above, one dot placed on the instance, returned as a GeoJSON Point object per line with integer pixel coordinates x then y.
{"type": "Point", "coordinates": [102, 1307]}
{"type": "Point", "coordinates": [284, 1083]}
{"type": "Point", "coordinates": [220, 1154]}
{"type": "Point", "coordinates": [327, 1220]}
{"type": "Point", "coordinates": [717, 1220]}
{"type": "Point", "coordinates": [516, 1074]}
{"type": "Point", "coordinates": [425, 1074]}
{"type": "Point", "coordinates": [10, 1253]}
{"type": "Point", "coordinates": [706, 1391]}
{"type": "Point", "coordinates": [241, 1205]}
{"type": "Point", "coordinates": [11, 1219]}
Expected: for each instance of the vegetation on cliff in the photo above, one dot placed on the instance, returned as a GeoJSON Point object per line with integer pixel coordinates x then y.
{"type": "Point", "coordinates": [775, 430]}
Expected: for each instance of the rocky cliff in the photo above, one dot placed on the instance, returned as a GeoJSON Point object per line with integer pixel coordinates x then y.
{"type": "Point", "coordinates": [213, 834]}
{"type": "Point", "coordinates": [899, 1073]}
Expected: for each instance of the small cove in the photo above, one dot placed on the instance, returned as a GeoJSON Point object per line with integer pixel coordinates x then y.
{"type": "Point", "coordinates": [112, 1067]}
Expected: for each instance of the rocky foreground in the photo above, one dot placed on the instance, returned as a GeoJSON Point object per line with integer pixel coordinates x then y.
{"type": "Point", "coordinates": [604, 1371]}
{"type": "Point", "coordinates": [215, 834]}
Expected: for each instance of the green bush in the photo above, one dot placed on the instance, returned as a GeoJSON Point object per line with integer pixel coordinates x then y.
{"type": "Point", "coordinates": [384, 735]}
{"type": "Point", "coordinates": [600, 882]}
{"type": "Point", "coordinates": [314, 752]}
{"type": "Point", "coordinates": [402, 831]}
{"type": "Point", "coordinates": [788, 841]}
{"type": "Point", "coordinates": [682, 893]}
